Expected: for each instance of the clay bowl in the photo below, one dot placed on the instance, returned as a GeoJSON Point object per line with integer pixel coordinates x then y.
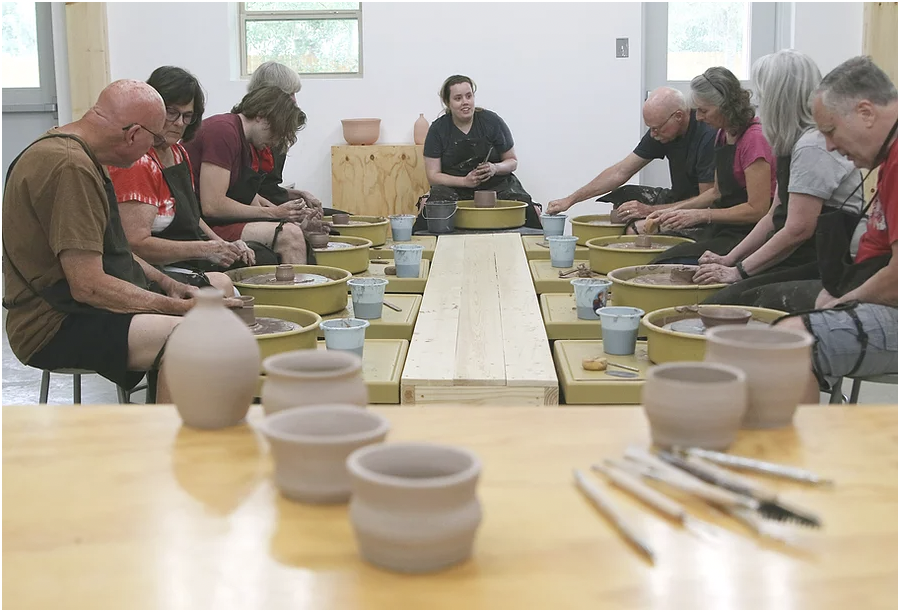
{"type": "Point", "coordinates": [712, 316]}
{"type": "Point", "coordinates": [341, 218]}
{"type": "Point", "coordinates": [318, 240]}
{"type": "Point", "coordinates": [361, 131]}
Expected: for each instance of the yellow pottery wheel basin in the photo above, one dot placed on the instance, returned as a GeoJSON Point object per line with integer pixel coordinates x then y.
{"type": "Point", "coordinates": [322, 298]}
{"type": "Point", "coordinates": [587, 227]}
{"type": "Point", "coordinates": [506, 214]}
{"type": "Point", "coordinates": [605, 256]}
{"type": "Point", "coordinates": [353, 258]}
{"type": "Point", "coordinates": [626, 292]}
{"type": "Point", "coordinates": [306, 337]}
{"type": "Point", "coordinates": [666, 344]}
{"type": "Point", "coordinates": [374, 229]}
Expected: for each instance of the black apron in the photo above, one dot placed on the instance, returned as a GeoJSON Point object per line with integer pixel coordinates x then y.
{"type": "Point", "coordinates": [835, 230]}
{"type": "Point", "coordinates": [117, 258]}
{"type": "Point", "coordinates": [806, 253]}
{"type": "Point", "coordinates": [718, 238]}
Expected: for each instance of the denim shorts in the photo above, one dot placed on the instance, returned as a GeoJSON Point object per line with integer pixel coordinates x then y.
{"type": "Point", "coordinates": [837, 347]}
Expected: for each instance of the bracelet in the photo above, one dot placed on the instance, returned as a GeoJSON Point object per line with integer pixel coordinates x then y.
{"type": "Point", "coordinates": [741, 269]}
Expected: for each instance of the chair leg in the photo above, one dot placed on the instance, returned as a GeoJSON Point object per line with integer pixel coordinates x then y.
{"type": "Point", "coordinates": [855, 391]}
{"type": "Point", "coordinates": [835, 394]}
{"type": "Point", "coordinates": [45, 387]}
{"type": "Point", "coordinates": [152, 381]}
{"type": "Point", "coordinates": [123, 396]}
{"type": "Point", "coordinates": [76, 388]}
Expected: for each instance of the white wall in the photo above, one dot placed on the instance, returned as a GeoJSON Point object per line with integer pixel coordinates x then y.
{"type": "Point", "coordinates": [829, 32]}
{"type": "Point", "coordinates": [548, 69]}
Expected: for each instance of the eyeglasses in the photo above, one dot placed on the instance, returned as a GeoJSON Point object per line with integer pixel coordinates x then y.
{"type": "Point", "coordinates": [158, 139]}
{"type": "Point", "coordinates": [172, 115]}
{"type": "Point", "coordinates": [659, 128]}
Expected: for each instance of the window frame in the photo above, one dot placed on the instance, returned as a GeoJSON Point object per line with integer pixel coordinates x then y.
{"type": "Point", "coordinates": [243, 16]}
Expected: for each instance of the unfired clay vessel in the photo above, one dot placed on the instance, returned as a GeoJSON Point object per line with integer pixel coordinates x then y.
{"type": "Point", "coordinates": [682, 274]}
{"type": "Point", "coordinates": [312, 378]}
{"type": "Point", "coordinates": [615, 216]}
{"type": "Point", "coordinates": [414, 506]}
{"type": "Point", "coordinates": [485, 199]}
{"type": "Point", "coordinates": [318, 240]}
{"type": "Point", "coordinates": [642, 241]}
{"type": "Point", "coordinates": [712, 316]}
{"type": "Point", "coordinates": [340, 218]}
{"type": "Point", "coordinates": [691, 403]}
{"type": "Point", "coordinates": [211, 364]}
{"type": "Point", "coordinates": [777, 363]}
{"type": "Point", "coordinates": [310, 446]}
{"type": "Point", "coordinates": [247, 312]}
{"type": "Point", "coordinates": [421, 128]}
{"type": "Point", "coordinates": [361, 131]}
{"type": "Point", "coordinates": [284, 272]}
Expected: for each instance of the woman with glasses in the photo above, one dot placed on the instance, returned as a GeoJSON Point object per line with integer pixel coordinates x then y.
{"type": "Point", "coordinates": [745, 173]}
{"type": "Point", "coordinates": [159, 210]}
{"type": "Point", "coordinates": [810, 180]}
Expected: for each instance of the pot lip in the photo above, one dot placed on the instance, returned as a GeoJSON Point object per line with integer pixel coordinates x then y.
{"type": "Point", "coordinates": [354, 464]}
{"type": "Point", "coordinates": [356, 324]}
{"type": "Point", "coordinates": [408, 247]}
{"type": "Point", "coordinates": [345, 363]}
{"type": "Point", "coordinates": [801, 339]}
{"type": "Point", "coordinates": [380, 425]}
{"type": "Point", "coordinates": [371, 281]}
{"type": "Point", "coordinates": [740, 375]}
{"type": "Point", "coordinates": [600, 282]}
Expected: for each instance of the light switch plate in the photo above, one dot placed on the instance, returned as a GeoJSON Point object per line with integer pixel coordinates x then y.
{"type": "Point", "coordinates": [622, 47]}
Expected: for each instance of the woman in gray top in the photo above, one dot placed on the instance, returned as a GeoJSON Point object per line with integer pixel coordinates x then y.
{"type": "Point", "coordinates": [781, 247]}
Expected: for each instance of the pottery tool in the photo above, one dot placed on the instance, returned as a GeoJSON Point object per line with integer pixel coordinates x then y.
{"type": "Point", "coordinates": [621, 374]}
{"type": "Point", "coordinates": [762, 467]}
{"type": "Point", "coordinates": [603, 503]}
{"type": "Point", "coordinates": [685, 481]}
{"type": "Point", "coordinates": [488, 153]}
{"type": "Point", "coordinates": [623, 367]}
{"type": "Point", "coordinates": [392, 306]}
{"type": "Point", "coordinates": [660, 502]}
{"type": "Point", "coordinates": [769, 504]}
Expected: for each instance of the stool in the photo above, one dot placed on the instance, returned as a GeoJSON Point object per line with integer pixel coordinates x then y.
{"type": "Point", "coordinates": [124, 397]}
{"type": "Point", "coordinates": [837, 397]}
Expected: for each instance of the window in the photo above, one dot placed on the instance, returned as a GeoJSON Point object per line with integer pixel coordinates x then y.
{"type": "Point", "coordinates": [703, 34]}
{"type": "Point", "coordinates": [311, 37]}
{"type": "Point", "coordinates": [20, 61]}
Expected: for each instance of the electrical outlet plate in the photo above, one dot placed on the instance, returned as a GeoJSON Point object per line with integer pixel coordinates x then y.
{"type": "Point", "coordinates": [622, 47]}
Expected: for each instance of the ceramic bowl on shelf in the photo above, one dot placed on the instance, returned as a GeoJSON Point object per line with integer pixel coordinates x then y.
{"type": "Point", "coordinates": [361, 131]}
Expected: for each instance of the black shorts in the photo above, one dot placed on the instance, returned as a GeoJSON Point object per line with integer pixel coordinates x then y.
{"type": "Point", "coordinates": [91, 341]}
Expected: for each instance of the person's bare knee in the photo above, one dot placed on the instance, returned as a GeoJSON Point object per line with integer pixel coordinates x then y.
{"type": "Point", "coordinates": [146, 337]}
{"type": "Point", "coordinates": [222, 282]}
{"type": "Point", "coordinates": [291, 244]}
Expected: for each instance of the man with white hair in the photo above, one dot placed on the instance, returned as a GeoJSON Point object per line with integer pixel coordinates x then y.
{"type": "Point", "coordinates": [856, 324]}
{"type": "Point", "coordinates": [674, 133]}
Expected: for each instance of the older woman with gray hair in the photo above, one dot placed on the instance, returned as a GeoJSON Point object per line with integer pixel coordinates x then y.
{"type": "Point", "coordinates": [810, 179]}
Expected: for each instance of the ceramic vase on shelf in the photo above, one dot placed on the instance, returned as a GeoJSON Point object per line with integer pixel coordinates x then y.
{"type": "Point", "coordinates": [211, 364]}
{"type": "Point", "coordinates": [421, 127]}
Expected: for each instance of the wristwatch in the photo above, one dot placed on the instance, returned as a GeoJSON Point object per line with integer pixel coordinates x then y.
{"type": "Point", "coordinates": [741, 270]}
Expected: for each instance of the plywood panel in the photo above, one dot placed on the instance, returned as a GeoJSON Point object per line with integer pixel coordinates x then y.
{"type": "Point", "coordinates": [88, 49]}
{"type": "Point", "coordinates": [378, 179]}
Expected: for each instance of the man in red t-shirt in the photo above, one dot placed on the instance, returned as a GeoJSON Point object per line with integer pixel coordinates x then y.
{"type": "Point", "coordinates": [856, 109]}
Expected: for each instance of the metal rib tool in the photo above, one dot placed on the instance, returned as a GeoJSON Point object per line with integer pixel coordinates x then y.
{"type": "Point", "coordinates": [762, 467]}
{"type": "Point", "coordinates": [657, 500]}
{"type": "Point", "coordinates": [601, 501]}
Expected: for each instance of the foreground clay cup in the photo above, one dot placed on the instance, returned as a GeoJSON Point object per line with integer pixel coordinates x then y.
{"type": "Point", "coordinates": [484, 199]}
{"type": "Point", "coordinates": [284, 272]}
{"type": "Point", "coordinates": [318, 240]}
{"type": "Point", "coordinates": [211, 364]}
{"type": "Point", "coordinates": [367, 297]}
{"type": "Point", "coordinates": [553, 225]}
{"type": "Point", "coordinates": [401, 227]}
{"type": "Point", "coordinates": [712, 316]}
{"type": "Point", "coordinates": [414, 506]}
{"type": "Point", "coordinates": [310, 446]}
{"type": "Point", "coordinates": [691, 403]}
{"type": "Point", "coordinates": [562, 250]}
{"type": "Point", "coordinates": [340, 218]}
{"type": "Point", "coordinates": [643, 242]}
{"type": "Point", "coordinates": [408, 260]}
{"type": "Point", "coordinates": [777, 363]}
{"type": "Point", "coordinates": [311, 378]}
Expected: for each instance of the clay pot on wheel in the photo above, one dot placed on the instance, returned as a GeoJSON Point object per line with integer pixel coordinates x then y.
{"type": "Point", "coordinates": [485, 199]}
{"type": "Point", "coordinates": [712, 316]}
{"type": "Point", "coordinates": [682, 274]}
{"type": "Point", "coordinates": [341, 218]}
{"type": "Point", "coordinates": [615, 216]}
{"type": "Point", "coordinates": [211, 364]}
{"type": "Point", "coordinates": [318, 240]}
{"type": "Point", "coordinates": [284, 273]}
{"type": "Point", "coordinates": [643, 242]}
{"type": "Point", "coordinates": [246, 312]}
{"type": "Point", "coordinates": [311, 377]}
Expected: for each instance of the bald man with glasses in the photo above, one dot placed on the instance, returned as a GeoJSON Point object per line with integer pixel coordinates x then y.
{"type": "Point", "coordinates": [675, 134]}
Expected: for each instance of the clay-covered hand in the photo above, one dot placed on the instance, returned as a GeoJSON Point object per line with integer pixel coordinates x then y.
{"type": "Point", "coordinates": [472, 179]}
{"type": "Point", "coordinates": [825, 300]}
{"type": "Point", "coordinates": [294, 210]}
{"type": "Point", "coordinates": [681, 219]}
{"type": "Point", "coordinates": [558, 206]}
{"type": "Point", "coordinates": [485, 172]}
{"type": "Point", "coordinates": [708, 274]}
{"type": "Point", "coordinates": [247, 255]}
{"type": "Point", "coordinates": [222, 253]}
{"type": "Point", "coordinates": [310, 199]}
{"type": "Point", "coordinates": [709, 257]}
{"type": "Point", "coordinates": [633, 209]}
{"type": "Point", "coordinates": [174, 289]}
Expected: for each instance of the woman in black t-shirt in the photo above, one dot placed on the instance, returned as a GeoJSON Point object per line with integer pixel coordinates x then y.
{"type": "Point", "coordinates": [460, 140]}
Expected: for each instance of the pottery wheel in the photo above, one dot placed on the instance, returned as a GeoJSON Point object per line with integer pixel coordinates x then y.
{"type": "Point", "coordinates": [660, 279]}
{"type": "Point", "coordinates": [270, 325]}
{"type": "Point", "coordinates": [694, 326]}
{"type": "Point", "coordinates": [656, 246]}
{"type": "Point", "coordinates": [299, 279]}
{"type": "Point", "coordinates": [336, 246]}
{"type": "Point", "coordinates": [605, 223]}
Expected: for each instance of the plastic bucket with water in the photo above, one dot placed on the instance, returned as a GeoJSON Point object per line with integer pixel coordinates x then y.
{"type": "Point", "coordinates": [401, 227]}
{"type": "Point", "coordinates": [367, 297]}
{"type": "Point", "coordinates": [620, 326]}
{"type": "Point", "coordinates": [408, 260]}
{"type": "Point", "coordinates": [440, 217]}
{"type": "Point", "coordinates": [561, 250]}
{"type": "Point", "coordinates": [345, 335]}
{"type": "Point", "coordinates": [590, 295]}
{"type": "Point", "coordinates": [553, 225]}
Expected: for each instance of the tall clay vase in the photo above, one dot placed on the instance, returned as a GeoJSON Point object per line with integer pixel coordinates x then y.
{"type": "Point", "coordinates": [421, 127]}
{"type": "Point", "coordinates": [211, 364]}
{"type": "Point", "coordinates": [310, 378]}
{"type": "Point", "coordinates": [777, 363]}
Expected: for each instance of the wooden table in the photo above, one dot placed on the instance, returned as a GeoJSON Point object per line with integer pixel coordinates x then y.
{"type": "Point", "coordinates": [120, 507]}
{"type": "Point", "coordinates": [479, 338]}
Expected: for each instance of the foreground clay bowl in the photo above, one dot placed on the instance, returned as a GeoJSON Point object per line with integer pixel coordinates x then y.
{"type": "Point", "coordinates": [506, 214]}
{"type": "Point", "coordinates": [375, 229]}
{"type": "Point", "coordinates": [666, 345]}
{"type": "Point", "coordinates": [626, 292]}
{"type": "Point", "coordinates": [587, 227]}
{"type": "Point", "coordinates": [354, 259]}
{"type": "Point", "coordinates": [604, 257]}
{"type": "Point", "coordinates": [321, 298]}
